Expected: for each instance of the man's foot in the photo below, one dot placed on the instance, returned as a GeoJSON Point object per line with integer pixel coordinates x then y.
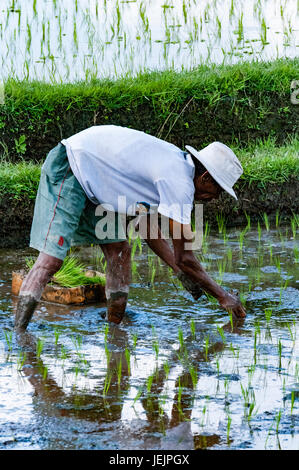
{"type": "Point", "coordinates": [25, 309]}
{"type": "Point", "coordinates": [116, 306]}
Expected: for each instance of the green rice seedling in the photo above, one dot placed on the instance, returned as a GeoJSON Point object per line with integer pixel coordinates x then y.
{"type": "Point", "coordinates": [155, 342]}
{"type": "Point", "coordinates": [241, 238]}
{"type": "Point", "coordinates": [8, 339]}
{"type": "Point", "coordinates": [153, 273]}
{"type": "Point", "coordinates": [268, 314]}
{"type": "Point", "coordinates": [277, 420]}
{"type": "Point", "coordinates": [231, 320]}
{"type": "Point", "coordinates": [138, 395]}
{"type": "Point", "coordinates": [254, 346]}
{"type": "Point", "coordinates": [193, 375]}
{"type": "Point", "coordinates": [279, 347]}
{"type": "Point", "coordinates": [77, 342]}
{"type": "Point", "coordinates": [277, 264]}
{"type": "Point", "coordinates": [106, 332]}
{"type": "Point", "coordinates": [240, 31]}
{"type": "Point", "coordinates": [220, 221]}
{"type": "Point", "coordinates": [277, 219]}
{"type": "Point", "coordinates": [181, 338]}
{"type": "Point", "coordinates": [248, 220]}
{"type": "Point", "coordinates": [221, 332]}
{"type": "Point", "coordinates": [45, 372]}
{"type": "Point", "coordinates": [128, 359]}
{"type": "Point", "coordinates": [135, 338]}
{"type": "Point", "coordinates": [282, 289]}
{"type": "Point", "coordinates": [231, 9]}
{"type": "Point", "coordinates": [39, 347]}
{"type": "Point", "coordinates": [292, 401]}
{"type": "Point", "coordinates": [119, 371]}
{"type": "Point", "coordinates": [228, 427]}
{"type": "Point", "coordinates": [206, 340]}
{"type": "Point", "coordinates": [292, 335]}
{"type": "Point", "coordinates": [166, 369]}
{"type": "Point", "coordinates": [271, 252]}
{"type": "Point", "coordinates": [294, 227]}
{"type": "Point", "coordinates": [108, 354]}
{"type": "Point", "coordinates": [229, 255]}
{"type": "Point", "coordinates": [259, 231]}
{"type": "Point", "coordinates": [63, 353]}
{"type": "Point", "coordinates": [149, 383]}
{"type": "Point", "coordinates": [107, 383]}
{"type": "Point", "coordinates": [71, 274]}
{"type": "Point", "coordinates": [266, 221]}
{"type": "Point", "coordinates": [218, 23]}
{"type": "Point", "coordinates": [192, 328]}
{"type": "Point", "coordinates": [263, 35]}
{"type": "Point", "coordinates": [21, 360]}
{"type": "Point", "coordinates": [56, 335]}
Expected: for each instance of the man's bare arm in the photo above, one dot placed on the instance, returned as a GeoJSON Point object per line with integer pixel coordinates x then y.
{"type": "Point", "coordinates": [189, 264]}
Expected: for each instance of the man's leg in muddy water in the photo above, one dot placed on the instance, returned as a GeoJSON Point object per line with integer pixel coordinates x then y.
{"type": "Point", "coordinates": [118, 278]}
{"type": "Point", "coordinates": [32, 288]}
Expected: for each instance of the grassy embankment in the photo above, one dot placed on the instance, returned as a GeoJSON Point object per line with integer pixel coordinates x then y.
{"type": "Point", "coordinates": [246, 106]}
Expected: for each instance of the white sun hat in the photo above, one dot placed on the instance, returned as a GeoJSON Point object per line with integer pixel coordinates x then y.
{"type": "Point", "coordinates": [222, 164]}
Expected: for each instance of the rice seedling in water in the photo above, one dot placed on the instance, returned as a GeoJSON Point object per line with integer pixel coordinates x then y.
{"type": "Point", "coordinates": [268, 314]}
{"type": "Point", "coordinates": [107, 383]}
{"type": "Point", "coordinates": [56, 335]}
{"type": "Point", "coordinates": [155, 342]}
{"type": "Point", "coordinates": [39, 347]}
{"type": "Point", "coordinates": [266, 222]}
{"type": "Point", "coordinates": [193, 375]}
{"type": "Point", "coordinates": [21, 360]}
{"type": "Point", "coordinates": [166, 369]}
{"type": "Point", "coordinates": [8, 339]}
{"type": "Point", "coordinates": [259, 230]}
{"type": "Point", "coordinates": [149, 383]}
{"type": "Point", "coordinates": [221, 332]}
{"type": "Point", "coordinates": [128, 359]}
{"type": "Point", "coordinates": [279, 347]}
{"type": "Point", "coordinates": [138, 395]}
{"type": "Point", "coordinates": [45, 372]}
{"type": "Point", "coordinates": [228, 426]}
{"type": "Point", "coordinates": [220, 221]}
{"type": "Point", "coordinates": [192, 327]}
{"type": "Point", "coordinates": [119, 371]}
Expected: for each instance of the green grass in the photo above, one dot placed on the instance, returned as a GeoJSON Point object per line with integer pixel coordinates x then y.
{"type": "Point", "coordinates": [19, 180]}
{"type": "Point", "coordinates": [238, 103]}
{"type": "Point", "coordinates": [268, 163]}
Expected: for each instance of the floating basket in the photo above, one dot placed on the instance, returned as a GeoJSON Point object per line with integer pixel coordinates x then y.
{"type": "Point", "coordinates": [65, 295]}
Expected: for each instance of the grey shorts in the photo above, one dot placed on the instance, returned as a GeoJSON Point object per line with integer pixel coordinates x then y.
{"type": "Point", "coordinates": [63, 215]}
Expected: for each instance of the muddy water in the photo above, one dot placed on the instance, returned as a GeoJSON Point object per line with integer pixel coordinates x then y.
{"type": "Point", "coordinates": [176, 374]}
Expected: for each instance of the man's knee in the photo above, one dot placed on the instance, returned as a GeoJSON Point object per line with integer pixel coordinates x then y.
{"type": "Point", "coordinates": [48, 263]}
{"type": "Point", "coordinates": [119, 252]}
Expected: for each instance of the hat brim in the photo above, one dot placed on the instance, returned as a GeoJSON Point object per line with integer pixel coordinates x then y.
{"type": "Point", "coordinates": [204, 161]}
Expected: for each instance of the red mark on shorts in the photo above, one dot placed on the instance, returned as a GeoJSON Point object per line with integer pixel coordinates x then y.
{"type": "Point", "coordinates": [61, 241]}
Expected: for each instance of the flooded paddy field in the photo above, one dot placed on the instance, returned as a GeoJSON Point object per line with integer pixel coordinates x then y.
{"type": "Point", "coordinates": [176, 374]}
{"type": "Point", "coordinates": [79, 40]}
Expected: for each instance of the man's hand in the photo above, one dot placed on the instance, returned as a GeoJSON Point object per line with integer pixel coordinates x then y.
{"type": "Point", "coordinates": [232, 304]}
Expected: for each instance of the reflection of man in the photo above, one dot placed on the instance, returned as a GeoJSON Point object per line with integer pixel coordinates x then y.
{"type": "Point", "coordinates": [102, 164]}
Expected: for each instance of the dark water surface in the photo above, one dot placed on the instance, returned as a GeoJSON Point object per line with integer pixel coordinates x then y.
{"type": "Point", "coordinates": [176, 374]}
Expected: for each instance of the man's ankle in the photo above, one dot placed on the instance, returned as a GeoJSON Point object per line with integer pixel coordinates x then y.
{"type": "Point", "coordinates": [25, 309]}
{"type": "Point", "coordinates": [116, 306]}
